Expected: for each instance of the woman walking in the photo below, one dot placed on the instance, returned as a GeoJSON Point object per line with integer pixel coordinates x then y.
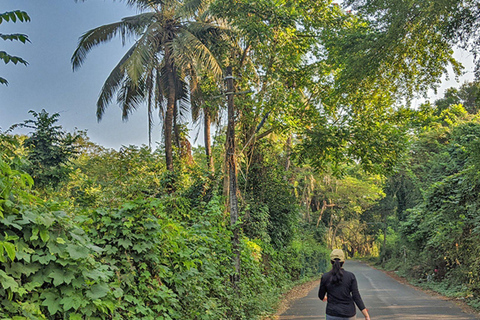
{"type": "Point", "coordinates": [341, 290]}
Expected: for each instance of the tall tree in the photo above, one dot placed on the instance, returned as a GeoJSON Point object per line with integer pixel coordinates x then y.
{"type": "Point", "coordinates": [153, 70]}
{"type": "Point", "coordinates": [273, 39]}
{"type": "Point", "coordinates": [468, 95]}
{"type": "Point", "coordinates": [13, 16]}
{"type": "Point", "coordinates": [49, 149]}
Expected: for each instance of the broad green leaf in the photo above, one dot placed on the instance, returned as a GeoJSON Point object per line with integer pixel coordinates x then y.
{"type": "Point", "coordinates": [52, 302]}
{"type": "Point", "coordinates": [30, 268]}
{"type": "Point", "coordinates": [129, 206]}
{"type": "Point", "coordinates": [75, 316]}
{"type": "Point", "coordinates": [96, 274]}
{"type": "Point", "coordinates": [78, 235]}
{"type": "Point", "coordinates": [72, 302]}
{"type": "Point", "coordinates": [48, 220]}
{"type": "Point", "coordinates": [31, 285]}
{"type": "Point", "coordinates": [7, 282]}
{"type": "Point", "coordinates": [77, 252]}
{"type": "Point", "coordinates": [23, 251]}
{"type": "Point", "coordinates": [10, 249]}
{"type": "Point", "coordinates": [126, 243]}
{"type": "Point", "coordinates": [117, 293]}
{"type": "Point", "coordinates": [44, 259]}
{"type": "Point", "coordinates": [58, 277]}
{"type": "Point", "coordinates": [98, 291]}
{"type": "Point", "coordinates": [34, 234]}
{"type": "Point", "coordinates": [44, 235]}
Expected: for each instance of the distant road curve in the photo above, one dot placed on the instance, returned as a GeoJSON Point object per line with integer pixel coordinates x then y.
{"type": "Point", "coordinates": [385, 298]}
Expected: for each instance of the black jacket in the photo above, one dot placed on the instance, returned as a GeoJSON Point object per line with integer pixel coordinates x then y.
{"type": "Point", "coordinates": [341, 296]}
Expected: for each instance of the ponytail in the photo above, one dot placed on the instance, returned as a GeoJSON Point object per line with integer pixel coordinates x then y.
{"type": "Point", "coordinates": [337, 271]}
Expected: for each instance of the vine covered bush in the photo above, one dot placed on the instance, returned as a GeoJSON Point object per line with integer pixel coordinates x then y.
{"type": "Point", "coordinates": [96, 253]}
{"type": "Point", "coordinates": [48, 263]}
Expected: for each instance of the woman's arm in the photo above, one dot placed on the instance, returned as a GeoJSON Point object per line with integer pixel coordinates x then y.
{"type": "Point", "coordinates": [365, 314]}
{"type": "Point", "coordinates": [356, 294]}
{"type": "Point", "coordinates": [322, 290]}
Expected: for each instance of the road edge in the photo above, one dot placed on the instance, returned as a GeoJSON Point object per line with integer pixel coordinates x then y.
{"type": "Point", "coordinates": [295, 293]}
{"type": "Point", "coordinates": [461, 304]}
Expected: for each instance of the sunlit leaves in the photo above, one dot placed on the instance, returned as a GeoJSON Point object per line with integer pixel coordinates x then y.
{"type": "Point", "coordinates": [399, 46]}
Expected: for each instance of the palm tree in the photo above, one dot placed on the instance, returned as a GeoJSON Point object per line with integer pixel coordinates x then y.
{"type": "Point", "coordinates": [13, 16]}
{"type": "Point", "coordinates": [168, 43]}
{"type": "Point", "coordinates": [206, 100]}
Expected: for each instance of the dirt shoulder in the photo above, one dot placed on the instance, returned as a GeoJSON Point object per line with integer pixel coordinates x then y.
{"type": "Point", "coordinates": [293, 294]}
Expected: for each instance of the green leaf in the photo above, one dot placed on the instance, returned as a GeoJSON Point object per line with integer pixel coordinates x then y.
{"type": "Point", "coordinates": [31, 286]}
{"type": "Point", "coordinates": [118, 293]}
{"type": "Point", "coordinates": [23, 251]}
{"type": "Point", "coordinates": [74, 302]}
{"type": "Point", "coordinates": [98, 291]}
{"type": "Point", "coordinates": [45, 259]}
{"type": "Point", "coordinates": [47, 220]}
{"type": "Point", "coordinates": [26, 269]}
{"type": "Point", "coordinates": [52, 302]}
{"type": "Point", "coordinates": [34, 234]}
{"type": "Point", "coordinates": [58, 277]}
{"type": "Point", "coordinates": [78, 235]}
{"type": "Point", "coordinates": [96, 274]}
{"type": "Point", "coordinates": [77, 252]}
{"type": "Point", "coordinates": [141, 247]}
{"type": "Point", "coordinates": [126, 243]}
{"type": "Point", "coordinates": [7, 282]}
{"type": "Point", "coordinates": [44, 235]}
{"type": "Point", "coordinates": [75, 316]}
{"type": "Point", "coordinates": [129, 206]}
{"type": "Point", "coordinates": [10, 248]}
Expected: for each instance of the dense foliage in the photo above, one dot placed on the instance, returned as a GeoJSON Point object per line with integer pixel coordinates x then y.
{"type": "Point", "coordinates": [120, 244]}
{"type": "Point", "coordinates": [319, 150]}
{"type": "Point", "coordinates": [49, 149]}
{"type": "Point", "coordinates": [432, 203]}
{"type": "Point", "coordinates": [48, 265]}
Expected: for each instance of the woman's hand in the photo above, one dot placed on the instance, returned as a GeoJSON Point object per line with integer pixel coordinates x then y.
{"type": "Point", "coordinates": [325, 299]}
{"type": "Point", "coordinates": [365, 314]}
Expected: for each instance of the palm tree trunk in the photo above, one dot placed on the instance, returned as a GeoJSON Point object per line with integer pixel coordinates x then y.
{"type": "Point", "coordinates": [207, 139]}
{"type": "Point", "coordinates": [231, 173]}
{"type": "Point", "coordinates": [176, 129]}
{"type": "Point", "coordinates": [170, 111]}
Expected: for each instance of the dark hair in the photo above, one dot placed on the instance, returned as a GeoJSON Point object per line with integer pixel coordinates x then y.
{"type": "Point", "coordinates": [336, 275]}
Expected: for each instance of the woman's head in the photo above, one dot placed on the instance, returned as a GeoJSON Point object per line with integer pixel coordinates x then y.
{"type": "Point", "coordinates": [337, 258]}
{"type": "Point", "coordinates": [337, 254]}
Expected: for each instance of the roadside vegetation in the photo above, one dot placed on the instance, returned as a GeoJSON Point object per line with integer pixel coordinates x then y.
{"type": "Point", "coordinates": [310, 143]}
{"type": "Point", "coordinates": [431, 202]}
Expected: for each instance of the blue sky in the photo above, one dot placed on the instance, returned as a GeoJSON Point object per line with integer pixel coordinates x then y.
{"type": "Point", "coordinates": [49, 83]}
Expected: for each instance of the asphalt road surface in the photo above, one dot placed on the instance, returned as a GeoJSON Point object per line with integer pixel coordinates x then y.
{"type": "Point", "coordinates": [384, 297]}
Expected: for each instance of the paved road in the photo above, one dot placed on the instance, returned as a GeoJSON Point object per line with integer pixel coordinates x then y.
{"type": "Point", "coordinates": [385, 299]}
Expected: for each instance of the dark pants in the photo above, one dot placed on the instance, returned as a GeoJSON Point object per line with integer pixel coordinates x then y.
{"type": "Point", "coordinates": [339, 318]}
